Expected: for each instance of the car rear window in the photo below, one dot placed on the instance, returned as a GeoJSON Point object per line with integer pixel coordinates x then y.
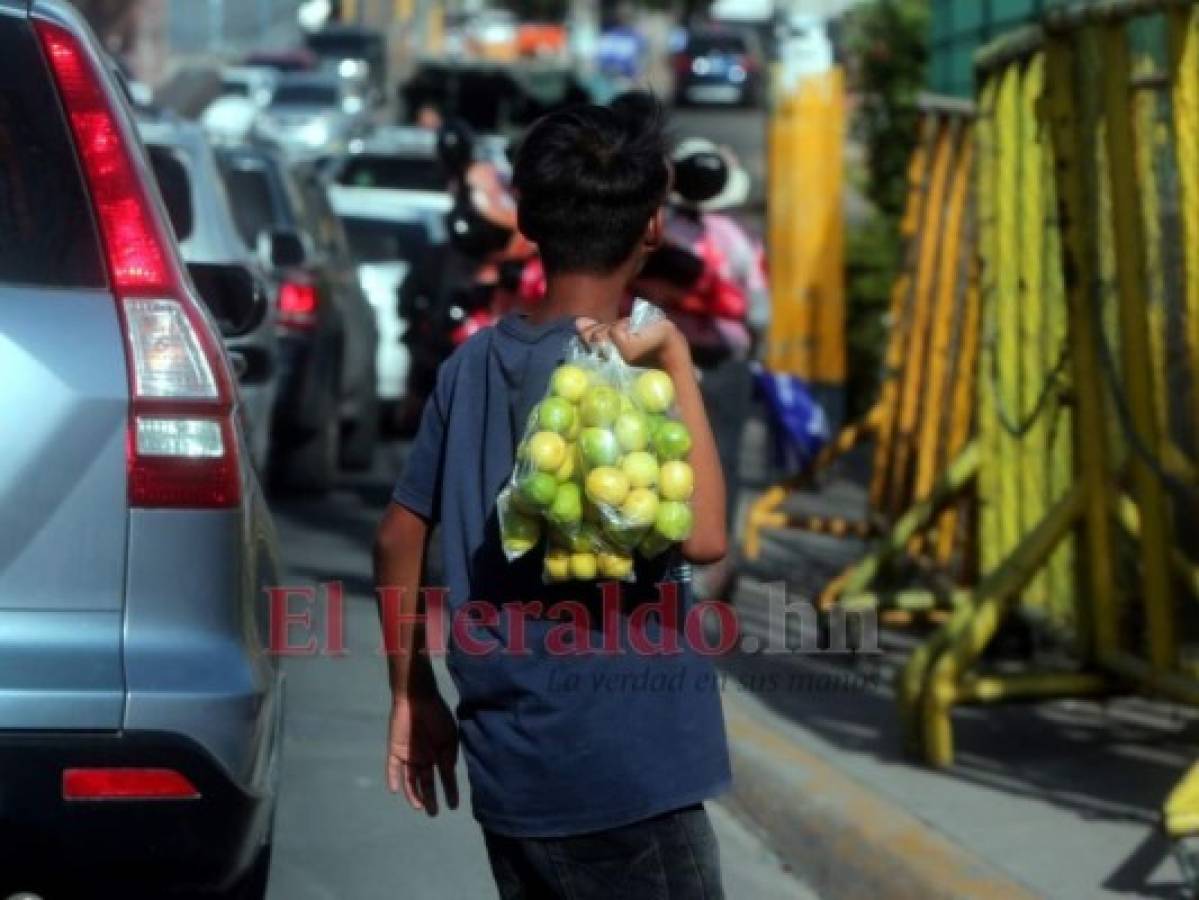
{"type": "Point", "coordinates": [345, 46]}
{"type": "Point", "coordinates": [47, 236]}
{"type": "Point", "coordinates": [399, 173]}
{"type": "Point", "coordinates": [249, 185]}
{"type": "Point", "coordinates": [717, 43]}
{"type": "Point", "coordinates": [305, 95]}
{"type": "Point", "coordinates": [376, 240]}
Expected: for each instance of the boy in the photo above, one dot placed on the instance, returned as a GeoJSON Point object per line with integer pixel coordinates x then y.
{"type": "Point", "coordinates": [588, 764]}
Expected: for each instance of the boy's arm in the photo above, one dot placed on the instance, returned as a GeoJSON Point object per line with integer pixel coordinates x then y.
{"type": "Point", "coordinates": [662, 344]}
{"type": "Point", "coordinates": [423, 735]}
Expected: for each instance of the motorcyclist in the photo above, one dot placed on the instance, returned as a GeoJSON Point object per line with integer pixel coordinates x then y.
{"type": "Point", "coordinates": [710, 279]}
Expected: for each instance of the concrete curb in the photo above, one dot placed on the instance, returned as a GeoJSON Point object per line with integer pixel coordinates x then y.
{"type": "Point", "coordinates": [842, 839]}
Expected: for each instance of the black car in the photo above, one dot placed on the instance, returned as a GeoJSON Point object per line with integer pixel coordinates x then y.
{"type": "Point", "coordinates": [327, 406]}
{"type": "Point", "coordinates": [719, 65]}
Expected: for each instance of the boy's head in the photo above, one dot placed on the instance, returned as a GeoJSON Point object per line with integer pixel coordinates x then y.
{"type": "Point", "coordinates": [590, 182]}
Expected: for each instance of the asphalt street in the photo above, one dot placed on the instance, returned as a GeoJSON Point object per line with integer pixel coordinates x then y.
{"type": "Point", "coordinates": [340, 833]}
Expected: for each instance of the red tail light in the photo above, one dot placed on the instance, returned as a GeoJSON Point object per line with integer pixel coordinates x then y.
{"type": "Point", "coordinates": [298, 304]}
{"type": "Point", "coordinates": [682, 64]}
{"type": "Point", "coordinates": [127, 784]}
{"type": "Point", "coordinates": [748, 63]}
{"type": "Point", "coordinates": [182, 449]}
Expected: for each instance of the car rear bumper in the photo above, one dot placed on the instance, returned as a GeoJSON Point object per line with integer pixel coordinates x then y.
{"type": "Point", "coordinates": [107, 844]}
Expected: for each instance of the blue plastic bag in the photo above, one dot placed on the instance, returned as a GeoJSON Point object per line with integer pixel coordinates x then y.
{"type": "Point", "coordinates": [798, 424]}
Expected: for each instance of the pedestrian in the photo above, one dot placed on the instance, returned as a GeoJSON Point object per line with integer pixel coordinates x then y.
{"type": "Point", "coordinates": [721, 302]}
{"type": "Point", "coordinates": [588, 770]}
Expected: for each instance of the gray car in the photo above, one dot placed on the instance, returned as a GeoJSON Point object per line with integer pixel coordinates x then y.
{"type": "Point", "coordinates": [198, 206]}
{"type": "Point", "coordinates": [139, 711]}
{"type": "Point", "coordinates": [313, 115]}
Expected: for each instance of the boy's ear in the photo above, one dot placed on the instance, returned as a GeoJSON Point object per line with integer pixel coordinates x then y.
{"type": "Point", "coordinates": [655, 231]}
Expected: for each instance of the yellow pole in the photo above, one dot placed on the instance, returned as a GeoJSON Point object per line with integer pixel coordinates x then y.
{"type": "Point", "coordinates": [1031, 363]}
{"type": "Point", "coordinates": [1070, 144]}
{"type": "Point", "coordinates": [915, 210]}
{"type": "Point", "coordinates": [916, 352]}
{"type": "Point", "coordinates": [1134, 345]}
{"type": "Point", "coordinates": [989, 548]}
{"type": "Point", "coordinates": [963, 403]}
{"type": "Point", "coordinates": [931, 443]}
{"type": "Point", "coordinates": [1007, 304]}
{"type": "Point", "coordinates": [1183, 31]}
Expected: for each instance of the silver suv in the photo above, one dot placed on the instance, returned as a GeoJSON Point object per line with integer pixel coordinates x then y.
{"type": "Point", "coordinates": [139, 713]}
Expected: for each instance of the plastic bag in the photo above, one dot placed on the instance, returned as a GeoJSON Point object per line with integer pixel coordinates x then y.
{"type": "Point", "coordinates": [601, 473]}
{"type": "Point", "coordinates": [797, 422]}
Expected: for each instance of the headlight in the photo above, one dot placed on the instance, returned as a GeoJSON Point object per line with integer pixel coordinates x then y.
{"type": "Point", "coordinates": [736, 74]}
{"type": "Point", "coordinates": [700, 66]}
{"type": "Point", "coordinates": [315, 133]}
{"type": "Point", "coordinates": [351, 68]}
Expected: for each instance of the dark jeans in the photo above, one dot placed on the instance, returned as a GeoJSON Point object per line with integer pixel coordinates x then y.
{"type": "Point", "coordinates": [728, 390]}
{"type": "Point", "coordinates": [670, 857]}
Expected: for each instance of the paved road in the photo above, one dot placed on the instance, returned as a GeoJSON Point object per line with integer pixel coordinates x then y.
{"type": "Point", "coordinates": [341, 835]}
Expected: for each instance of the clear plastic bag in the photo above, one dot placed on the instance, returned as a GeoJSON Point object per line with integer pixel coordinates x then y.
{"type": "Point", "coordinates": [601, 472]}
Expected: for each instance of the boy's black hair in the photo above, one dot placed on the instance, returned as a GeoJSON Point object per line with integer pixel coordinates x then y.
{"type": "Point", "coordinates": [588, 179]}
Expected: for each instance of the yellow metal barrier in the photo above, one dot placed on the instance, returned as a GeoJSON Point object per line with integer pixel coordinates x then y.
{"type": "Point", "coordinates": [1088, 374]}
{"type": "Point", "coordinates": [921, 420]}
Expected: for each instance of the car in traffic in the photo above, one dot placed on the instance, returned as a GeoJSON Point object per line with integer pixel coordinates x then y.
{"type": "Point", "coordinates": [326, 411]}
{"type": "Point", "coordinates": [219, 262]}
{"type": "Point", "coordinates": [312, 115]}
{"type": "Point", "coordinates": [394, 161]}
{"type": "Point", "coordinates": [388, 235]}
{"type": "Point", "coordinates": [719, 65]}
{"type": "Point", "coordinates": [139, 710]}
{"type": "Point", "coordinates": [358, 55]}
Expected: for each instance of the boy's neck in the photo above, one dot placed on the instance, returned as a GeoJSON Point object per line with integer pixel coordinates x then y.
{"type": "Point", "coordinates": [579, 294]}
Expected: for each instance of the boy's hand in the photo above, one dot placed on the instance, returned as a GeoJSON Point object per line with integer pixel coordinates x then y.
{"type": "Point", "coordinates": [423, 736]}
{"type": "Point", "coordinates": [659, 344]}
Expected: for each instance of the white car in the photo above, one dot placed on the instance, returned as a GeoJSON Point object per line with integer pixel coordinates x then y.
{"type": "Point", "coordinates": [388, 230]}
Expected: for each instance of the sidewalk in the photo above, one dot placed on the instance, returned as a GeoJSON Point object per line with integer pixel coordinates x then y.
{"type": "Point", "coordinates": [1056, 799]}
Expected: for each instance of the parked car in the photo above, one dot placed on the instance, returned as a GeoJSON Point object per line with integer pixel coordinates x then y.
{"type": "Point", "coordinates": [327, 405]}
{"type": "Point", "coordinates": [388, 234]}
{"type": "Point", "coordinates": [139, 713]}
{"type": "Point", "coordinates": [358, 55]}
{"type": "Point", "coordinates": [312, 115]}
{"type": "Point", "coordinates": [194, 193]}
{"type": "Point", "coordinates": [720, 65]}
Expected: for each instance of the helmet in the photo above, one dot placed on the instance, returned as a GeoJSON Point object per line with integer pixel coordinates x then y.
{"type": "Point", "coordinates": [455, 147]}
{"type": "Point", "coordinates": [472, 233]}
{"type": "Point", "coordinates": [700, 176]}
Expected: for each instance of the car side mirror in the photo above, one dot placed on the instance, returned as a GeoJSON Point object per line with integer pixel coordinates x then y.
{"type": "Point", "coordinates": [232, 294]}
{"type": "Point", "coordinates": [282, 249]}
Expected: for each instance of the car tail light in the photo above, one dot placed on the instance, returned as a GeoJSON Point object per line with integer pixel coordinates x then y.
{"type": "Point", "coordinates": [682, 64]}
{"type": "Point", "coordinates": [182, 447]}
{"type": "Point", "coordinates": [748, 63]}
{"type": "Point", "coordinates": [127, 784]}
{"type": "Point", "coordinates": [298, 304]}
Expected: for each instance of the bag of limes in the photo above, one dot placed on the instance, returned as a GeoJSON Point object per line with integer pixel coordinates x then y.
{"type": "Point", "coordinates": [601, 473]}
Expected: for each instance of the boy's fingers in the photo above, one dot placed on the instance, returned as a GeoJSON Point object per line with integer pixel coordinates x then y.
{"type": "Point", "coordinates": [393, 773]}
{"type": "Point", "coordinates": [428, 789]}
{"type": "Point", "coordinates": [584, 324]}
{"type": "Point", "coordinates": [449, 778]}
{"type": "Point", "coordinates": [411, 789]}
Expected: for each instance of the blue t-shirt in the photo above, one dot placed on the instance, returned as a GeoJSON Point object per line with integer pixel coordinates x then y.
{"type": "Point", "coordinates": [556, 744]}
